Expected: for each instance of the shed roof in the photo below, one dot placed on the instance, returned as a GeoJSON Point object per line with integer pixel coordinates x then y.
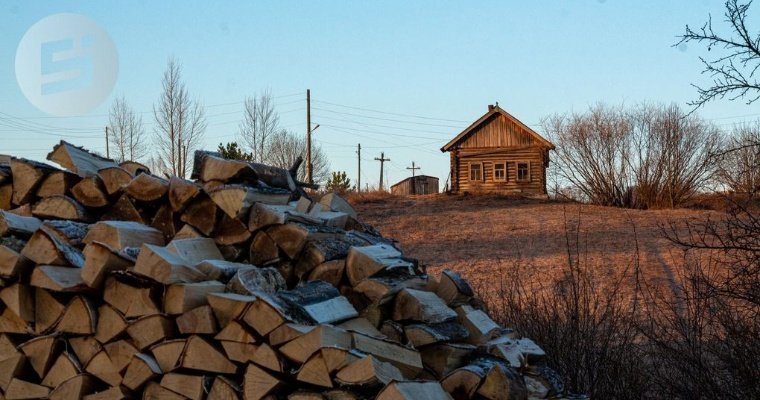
{"type": "Point", "coordinates": [416, 177]}
{"type": "Point", "coordinates": [493, 110]}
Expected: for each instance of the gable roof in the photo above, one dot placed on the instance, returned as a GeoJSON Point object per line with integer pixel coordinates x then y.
{"type": "Point", "coordinates": [493, 110]}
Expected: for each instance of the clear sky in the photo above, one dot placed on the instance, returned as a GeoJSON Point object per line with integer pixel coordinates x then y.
{"type": "Point", "coordinates": [392, 61]}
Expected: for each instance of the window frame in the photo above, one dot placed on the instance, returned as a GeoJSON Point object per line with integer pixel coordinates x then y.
{"type": "Point", "coordinates": [482, 172]}
{"type": "Point", "coordinates": [504, 169]}
{"type": "Point", "coordinates": [517, 171]}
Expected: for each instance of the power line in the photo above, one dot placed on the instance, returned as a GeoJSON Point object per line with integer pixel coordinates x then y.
{"type": "Point", "coordinates": [390, 113]}
{"type": "Point", "coordinates": [388, 119]}
{"type": "Point", "coordinates": [368, 124]}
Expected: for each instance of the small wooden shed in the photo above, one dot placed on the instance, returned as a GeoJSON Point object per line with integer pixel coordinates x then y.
{"type": "Point", "coordinates": [498, 153]}
{"type": "Point", "coordinates": [420, 184]}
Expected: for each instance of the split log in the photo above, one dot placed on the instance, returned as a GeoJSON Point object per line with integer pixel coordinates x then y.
{"type": "Point", "coordinates": [363, 326]}
{"type": "Point", "coordinates": [20, 389]}
{"type": "Point", "coordinates": [366, 261]}
{"type": "Point", "coordinates": [134, 167]}
{"type": "Point", "coordinates": [235, 332]}
{"type": "Point", "coordinates": [141, 369]}
{"type": "Point", "coordinates": [47, 311]}
{"type": "Point", "coordinates": [252, 280]}
{"type": "Point", "coordinates": [150, 329]}
{"type": "Point", "coordinates": [147, 188]}
{"type": "Point", "coordinates": [318, 301]}
{"type": "Point", "coordinates": [265, 356]}
{"type": "Point", "coordinates": [12, 262]}
{"type": "Point", "coordinates": [383, 289]}
{"type": "Point", "coordinates": [330, 272]}
{"type": "Point", "coordinates": [27, 176]}
{"type": "Point", "coordinates": [481, 327]}
{"type": "Point", "coordinates": [274, 176]}
{"type": "Point", "coordinates": [231, 231]}
{"type": "Point", "coordinates": [90, 192]}
{"type": "Point", "coordinates": [181, 192]}
{"type": "Point", "coordinates": [413, 390]}
{"type": "Point", "coordinates": [200, 355]}
{"type": "Point", "coordinates": [104, 369]}
{"type": "Point", "coordinates": [224, 389]}
{"type": "Point", "coordinates": [441, 359]}
{"type": "Point", "coordinates": [183, 297]}
{"type": "Point", "coordinates": [99, 261]}
{"type": "Point", "coordinates": [113, 393]}
{"type": "Point", "coordinates": [78, 160]}
{"type": "Point", "coordinates": [210, 166]}
{"type": "Point", "coordinates": [333, 202]}
{"type": "Point", "coordinates": [422, 306]}
{"type": "Point", "coordinates": [57, 279]}
{"type": "Point", "coordinates": [6, 196]}
{"type": "Point", "coordinates": [41, 352]}
{"type": "Point", "coordinates": [187, 232]}
{"type": "Point", "coordinates": [368, 372]}
{"type": "Point", "coordinates": [406, 359]}
{"type": "Point", "coordinates": [80, 317]}
{"type": "Point", "coordinates": [131, 301]}
{"type": "Point", "coordinates": [333, 218]}
{"type": "Point", "coordinates": [12, 323]}
{"type": "Point", "coordinates": [168, 353]}
{"type": "Point", "coordinates": [221, 270]}
{"type": "Point", "coordinates": [111, 324]}
{"type": "Point", "coordinates": [194, 251]}
{"type": "Point", "coordinates": [154, 391]}
{"type": "Point", "coordinates": [257, 383]}
{"type": "Point", "coordinates": [453, 289]}
{"type": "Point", "coordinates": [12, 224]}
{"type": "Point", "coordinates": [57, 183]}
{"type": "Point", "coordinates": [288, 332]}
{"type": "Point", "coordinates": [84, 347]}
{"type": "Point", "coordinates": [114, 179]}
{"type": "Point", "coordinates": [264, 215]}
{"type": "Point", "coordinates": [46, 246]}
{"type": "Point", "coordinates": [164, 221]}
{"type": "Point", "coordinates": [265, 314]}
{"type": "Point", "coordinates": [425, 334]}
{"type": "Point", "coordinates": [319, 251]}
{"type": "Point", "coordinates": [301, 348]}
{"type": "Point", "coordinates": [292, 237]}
{"type": "Point", "coordinates": [201, 214]}
{"type": "Point", "coordinates": [120, 352]}
{"type": "Point", "coordinates": [488, 377]}
{"type": "Point", "coordinates": [518, 352]}
{"type": "Point", "coordinates": [76, 387]}
{"type": "Point", "coordinates": [11, 366]}
{"type": "Point", "coordinates": [229, 306]}
{"type": "Point", "coordinates": [19, 299]}
{"type": "Point", "coordinates": [164, 266]}
{"type": "Point", "coordinates": [191, 386]}
{"type": "Point", "coordinates": [120, 234]}
{"type": "Point", "coordinates": [60, 207]}
{"type": "Point", "coordinates": [263, 250]}
{"type": "Point", "coordinates": [198, 321]}
{"type": "Point", "coordinates": [234, 200]}
{"type": "Point", "coordinates": [65, 367]}
{"type": "Point", "coordinates": [123, 210]}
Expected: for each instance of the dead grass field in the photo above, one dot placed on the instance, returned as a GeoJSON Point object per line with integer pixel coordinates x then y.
{"type": "Point", "coordinates": [486, 237]}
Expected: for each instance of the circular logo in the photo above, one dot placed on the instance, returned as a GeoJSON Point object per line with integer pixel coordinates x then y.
{"type": "Point", "coordinates": [66, 64]}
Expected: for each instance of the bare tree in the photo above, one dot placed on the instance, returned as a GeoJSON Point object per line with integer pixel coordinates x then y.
{"type": "Point", "coordinates": [737, 60]}
{"type": "Point", "coordinates": [126, 131]}
{"type": "Point", "coordinates": [180, 123]}
{"type": "Point", "coordinates": [285, 146]}
{"type": "Point", "coordinates": [260, 123]}
{"type": "Point", "coordinates": [739, 167]}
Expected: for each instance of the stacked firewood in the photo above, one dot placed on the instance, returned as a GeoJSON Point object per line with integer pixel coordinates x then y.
{"type": "Point", "coordinates": [117, 283]}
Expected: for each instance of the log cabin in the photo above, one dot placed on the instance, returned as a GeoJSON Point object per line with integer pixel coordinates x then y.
{"type": "Point", "coordinates": [498, 154]}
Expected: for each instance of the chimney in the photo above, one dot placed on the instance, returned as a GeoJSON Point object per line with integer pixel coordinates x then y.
{"type": "Point", "coordinates": [490, 107]}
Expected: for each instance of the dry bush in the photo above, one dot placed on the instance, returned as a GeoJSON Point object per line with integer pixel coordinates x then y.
{"type": "Point", "coordinates": [739, 166]}
{"type": "Point", "coordinates": [370, 196]}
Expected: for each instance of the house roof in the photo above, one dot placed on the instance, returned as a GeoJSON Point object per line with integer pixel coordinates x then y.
{"type": "Point", "coordinates": [493, 110]}
{"type": "Point", "coordinates": [416, 177]}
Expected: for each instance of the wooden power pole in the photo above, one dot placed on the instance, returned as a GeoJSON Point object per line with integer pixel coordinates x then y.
{"type": "Point", "coordinates": [308, 137]}
{"type": "Point", "coordinates": [382, 160]}
{"type": "Point", "coordinates": [108, 155]}
{"type": "Point", "coordinates": [359, 175]}
{"type": "Point", "coordinates": [414, 184]}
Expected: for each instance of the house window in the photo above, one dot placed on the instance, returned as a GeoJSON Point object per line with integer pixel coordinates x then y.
{"type": "Point", "coordinates": [523, 172]}
{"type": "Point", "coordinates": [476, 172]}
{"type": "Point", "coordinates": [500, 171]}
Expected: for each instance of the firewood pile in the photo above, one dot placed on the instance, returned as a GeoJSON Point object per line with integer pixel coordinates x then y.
{"type": "Point", "coordinates": [118, 283]}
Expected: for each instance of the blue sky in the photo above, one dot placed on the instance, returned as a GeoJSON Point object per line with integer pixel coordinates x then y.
{"type": "Point", "coordinates": [393, 61]}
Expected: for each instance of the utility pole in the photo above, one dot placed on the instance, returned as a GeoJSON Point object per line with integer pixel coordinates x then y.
{"type": "Point", "coordinates": [107, 152]}
{"type": "Point", "coordinates": [414, 184]}
{"type": "Point", "coordinates": [308, 136]}
{"type": "Point", "coordinates": [359, 175]}
{"type": "Point", "coordinates": [382, 160]}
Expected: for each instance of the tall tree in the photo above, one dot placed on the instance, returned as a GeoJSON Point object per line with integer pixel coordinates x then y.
{"type": "Point", "coordinates": [180, 123]}
{"type": "Point", "coordinates": [285, 146]}
{"type": "Point", "coordinates": [126, 131]}
{"type": "Point", "coordinates": [233, 151]}
{"type": "Point", "coordinates": [739, 167]}
{"type": "Point", "coordinates": [260, 124]}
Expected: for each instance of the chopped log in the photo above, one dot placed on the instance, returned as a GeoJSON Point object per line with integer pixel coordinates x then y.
{"type": "Point", "coordinates": [57, 183]}
{"type": "Point", "coordinates": [369, 372]}
{"type": "Point", "coordinates": [366, 261]}
{"type": "Point", "coordinates": [263, 249]}
{"type": "Point", "coordinates": [12, 224]}
{"type": "Point", "coordinates": [181, 191]}
{"type": "Point", "coordinates": [198, 321]}
{"type": "Point", "coordinates": [264, 215]}
{"type": "Point", "coordinates": [229, 306]}
{"type": "Point", "coordinates": [80, 317]}
{"type": "Point", "coordinates": [441, 359]}
{"type": "Point", "coordinates": [330, 272]}
{"type": "Point", "coordinates": [20, 389]}
{"type": "Point", "coordinates": [422, 306]}
{"type": "Point", "coordinates": [201, 214]}
{"type": "Point", "coordinates": [147, 188]}
{"type": "Point", "coordinates": [317, 252]}
{"type": "Point", "coordinates": [165, 266]}
{"type": "Point", "coordinates": [406, 359]}
{"type": "Point", "coordinates": [11, 366]}
{"type": "Point", "coordinates": [121, 234]}
{"type": "Point", "coordinates": [120, 352]}
{"type": "Point", "coordinates": [320, 302]}
{"type": "Point", "coordinates": [150, 329]}
{"type": "Point", "coordinates": [252, 280]}
{"type": "Point", "coordinates": [113, 393]}
{"type": "Point", "coordinates": [300, 349]}
{"type": "Point", "coordinates": [187, 232]}
{"type": "Point", "coordinates": [210, 166]}
{"type": "Point", "coordinates": [57, 279]}
{"type": "Point", "coordinates": [78, 160]}
{"type": "Point", "coordinates": [12, 323]}
{"type": "Point", "coordinates": [231, 231]}
{"type": "Point", "coordinates": [239, 352]}
{"type": "Point", "coordinates": [12, 263]}
{"type": "Point", "coordinates": [65, 367]}
{"type": "Point", "coordinates": [84, 347]}
{"type": "Point", "coordinates": [114, 179]}
{"type": "Point", "coordinates": [195, 250]}
{"type": "Point", "coordinates": [134, 167]}
{"type": "Point", "coordinates": [274, 176]}
{"type": "Point", "coordinates": [543, 381]}
{"type": "Point", "coordinates": [183, 297]}
{"type": "Point", "coordinates": [168, 354]}
{"type": "Point", "coordinates": [6, 196]}
{"type": "Point", "coordinates": [288, 332]}
{"type": "Point", "coordinates": [41, 352]}
{"type": "Point", "coordinates": [518, 352]}
{"type": "Point", "coordinates": [47, 311]}
{"type": "Point", "coordinates": [165, 222]}
{"type": "Point", "coordinates": [46, 247]}
{"type": "Point", "coordinates": [333, 202]}
{"type": "Point", "coordinates": [110, 324]}
{"type": "Point", "coordinates": [486, 376]}
{"type": "Point", "coordinates": [104, 369]}
{"type": "Point", "coordinates": [314, 372]}
{"type": "Point", "coordinates": [424, 334]}
{"type": "Point", "coordinates": [234, 200]}
{"type": "Point", "coordinates": [69, 231]}
{"type": "Point", "coordinates": [19, 299]}
{"type": "Point", "coordinates": [224, 389]}
{"type": "Point", "coordinates": [383, 289]}
{"type": "Point", "coordinates": [191, 386]}
{"type": "Point", "coordinates": [502, 383]}
{"type": "Point", "coordinates": [413, 390]}
{"type": "Point", "coordinates": [60, 207]}
{"type": "Point", "coordinates": [481, 327]}
{"type": "Point", "coordinates": [24, 210]}
{"type": "Point", "coordinates": [141, 369]}
{"type": "Point", "coordinates": [76, 387]}
{"type": "Point", "coordinates": [453, 289]}
{"type": "Point", "coordinates": [363, 326]}
{"type": "Point", "coordinates": [129, 300]}
{"type": "Point", "coordinates": [265, 356]}
{"type": "Point", "coordinates": [265, 314]}
{"type": "Point", "coordinates": [258, 383]}
{"type": "Point", "coordinates": [27, 176]}
{"type": "Point", "coordinates": [99, 261]}
{"type": "Point", "coordinates": [220, 270]}
{"type": "Point", "coordinates": [123, 210]}
{"type": "Point", "coordinates": [235, 332]}
{"type": "Point", "coordinates": [90, 192]}
{"type": "Point", "coordinates": [154, 391]}
{"type": "Point", "coordinates": [292, 237]}
{"type": "Point", "coordinates": [202, 356]}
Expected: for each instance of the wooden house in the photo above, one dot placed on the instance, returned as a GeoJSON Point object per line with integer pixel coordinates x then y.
{"type": "Point", "coordinates": [420, 184]}
{"type": "Point", "coordinates": [498, 153]}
